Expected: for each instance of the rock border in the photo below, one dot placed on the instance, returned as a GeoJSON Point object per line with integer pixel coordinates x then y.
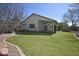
{"type": "Point", "coordinates": [75, 36]}
{"type": "Point", "coordinates": [17, 47]}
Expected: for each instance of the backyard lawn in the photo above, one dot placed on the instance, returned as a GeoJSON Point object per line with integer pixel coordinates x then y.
{"type": "Point", "coordinates": [59, 44]}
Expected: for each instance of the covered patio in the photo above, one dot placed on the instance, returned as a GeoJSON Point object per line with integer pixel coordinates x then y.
{"type": "Point", "coordinates": [45, 26]}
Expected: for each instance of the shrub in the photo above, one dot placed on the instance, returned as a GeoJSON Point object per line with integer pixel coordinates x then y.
{"type": "Point", "coordinates": [8, 31]}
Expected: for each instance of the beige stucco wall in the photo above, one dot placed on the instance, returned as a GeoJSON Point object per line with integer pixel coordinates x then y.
{"type": "Point", "coordinates": [40, 26]}
{"type": "Point", "coordinates": [40, 23]}
{"type": "Point", "coordinates": [41, 18]}
{"type": "Point", "coordinates": [34, 19]}
{"type": "Point", "coordinates": [31, 20]}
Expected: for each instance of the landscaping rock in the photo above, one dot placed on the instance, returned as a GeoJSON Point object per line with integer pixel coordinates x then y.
{"type": "Point", "coordinates": [4, 52]}
{"type": "Point", "coordinates": [6, 49]}
{"type": "Point", "coordinates": [77, 34]}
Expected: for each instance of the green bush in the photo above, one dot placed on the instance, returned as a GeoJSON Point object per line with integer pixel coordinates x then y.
{"type": "Point", "coordinates": [8, 31]}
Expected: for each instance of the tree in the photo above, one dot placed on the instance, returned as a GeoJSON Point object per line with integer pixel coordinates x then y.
{"type": "Point", "coordinates": [72, 15]}
{"type": "Point", "coordinates": [9, 13]}
{"type": "Point", "coordinates": [63, 26]}
{"type": "Point", "coordinates": [60, 26]}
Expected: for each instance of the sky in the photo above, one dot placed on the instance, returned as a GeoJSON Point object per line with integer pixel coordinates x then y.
{"type": "Point", "coordinates": [54, 11]}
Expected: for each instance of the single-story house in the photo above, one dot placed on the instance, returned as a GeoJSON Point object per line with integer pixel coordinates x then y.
{"type": "Point", "coordinates": [38, 23]}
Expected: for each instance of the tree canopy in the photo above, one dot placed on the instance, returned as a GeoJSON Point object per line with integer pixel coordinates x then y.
{"type": "Point", "coordinates": [10, 15]}
{"type": "Point", "coordinates": [72, 15]}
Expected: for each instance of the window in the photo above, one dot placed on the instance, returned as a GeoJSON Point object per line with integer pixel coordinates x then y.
{"type": "Point", "coordinates": [23, 24]}
{"type": "Point", "coordinates": [31, 25]}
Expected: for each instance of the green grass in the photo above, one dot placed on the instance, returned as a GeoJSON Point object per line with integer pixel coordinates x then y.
{"type": "Point", "coordinates": [59, 44]}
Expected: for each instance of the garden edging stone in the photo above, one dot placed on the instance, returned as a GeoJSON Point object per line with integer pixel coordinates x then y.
{"type": "Point", "coordinates": [17, 47]}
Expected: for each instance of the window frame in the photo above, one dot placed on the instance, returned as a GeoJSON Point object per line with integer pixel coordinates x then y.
{"type": "Point", "coordinates": [31, 26]}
